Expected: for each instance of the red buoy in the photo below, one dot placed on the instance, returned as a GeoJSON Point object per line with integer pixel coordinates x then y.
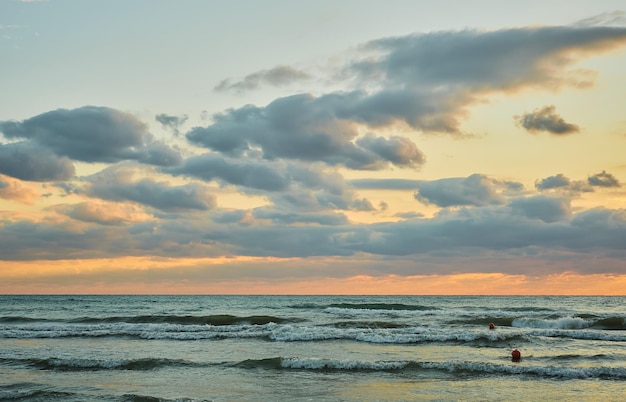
{"type": "Point", "coordinates": [516, 355]}
{"type": "Point", "coordinates": [491, 326]}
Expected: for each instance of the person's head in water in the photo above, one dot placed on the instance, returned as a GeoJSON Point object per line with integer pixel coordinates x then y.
{"type": "Point", "coordinates": [516, 355]}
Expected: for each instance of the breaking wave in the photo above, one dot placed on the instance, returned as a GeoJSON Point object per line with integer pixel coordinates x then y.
{"type": "Point", "coordinates": [456, 368]}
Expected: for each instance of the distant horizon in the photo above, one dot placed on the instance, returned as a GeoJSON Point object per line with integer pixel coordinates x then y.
{"type": "Point", "coordinates": [294, 295]}
{"type": "Point", "coordinates": [314, 147]}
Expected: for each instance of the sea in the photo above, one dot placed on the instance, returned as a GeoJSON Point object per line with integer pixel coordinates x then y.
{"type": "Point", "coordinates": [311, 348]}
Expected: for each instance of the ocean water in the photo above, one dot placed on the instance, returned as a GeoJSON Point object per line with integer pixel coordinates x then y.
{"type": "Point", "coordinates": [317, 348]}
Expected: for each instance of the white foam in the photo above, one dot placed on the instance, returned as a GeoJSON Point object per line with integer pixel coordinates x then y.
{"type": "Point", "coordinates": [560, 323]}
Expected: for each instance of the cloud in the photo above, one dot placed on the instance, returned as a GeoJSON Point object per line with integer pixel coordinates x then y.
{"type": "Point", "coordinates": [547, 209]}
{"type": "Point", "coordinates": [286, 218]}
{"type": "Point", "coordinates": [277, 76]}
{"type": "Point", "coordinates": [306, 128]}
{"type": "Point", "coordinates": [92, 134]}
{"type": "Point", "coordinates": [551, 182]}
{"type": "Point", "coordinates": [560, 182]}
{"type": "Point", "coordinates": [399, 151]}
{"type": "Point", "coordinates": [240, 172]}
{"type": "Point", "coordinates": [535, 227]}
{"type": "Point", "coordinates": [612, 18]}
{"type": "Point", "coordinates": [603, 179]}
{"type": "Point", "coordinates": [171, 122]}
{"type": "Point", "coordinates": [27, 160]}
{"type": "Point", "coordinates": [103, 213]}
{"type": "Point", "coordinates": [476, 190]}
{"type": "Point", "coordinates": [116, 184]}
{"type": "Point", "coordinates": [546, 119]}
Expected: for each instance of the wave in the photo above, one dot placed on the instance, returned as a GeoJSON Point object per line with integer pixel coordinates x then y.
{"type": "Point", "coordinates": [498, 321]}
{"type": "Point", "coordinates": [456, 368]}
{"type": "Point", "coordinates": [558, 323]}
{"type": "Point", "coordinates": [61, 364]}
{"type": "Point", "coordinates": [575, 322]}
{"type": "Point", "coordinates": [381, 306]}
{"type": "Point", "coordinates": [582, 321]}
{"type": "Point", "coordinates": [369, 324]}
{"type": "Point", "coordinates": [577, 357]}
{"type": "Point", "coordinates": [611, 323]}
{"type": "Point", "coordinates": [361, 331]}
{"type": "Point", "coordinates": [36, 392]}
{"type": "Point", "coordinates": [220, 319]}
{"type": "Point", "coordinates": [588, 335]}
{"type": "Point", "coordinates": [19, 319]}
{"type": "Point", "coordinates": [30, 391]}
{"type": "Point", "coordinates": [349, 311]}
{"type": "Point", "coordinates": [145, 398]}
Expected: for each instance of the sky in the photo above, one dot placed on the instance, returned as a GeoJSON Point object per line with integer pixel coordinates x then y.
{"type": "Point", "coordinates": [313, 147]}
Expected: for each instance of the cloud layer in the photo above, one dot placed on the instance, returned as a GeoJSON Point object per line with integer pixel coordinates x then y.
{"type": "Point", "coordinates": [307, 170]}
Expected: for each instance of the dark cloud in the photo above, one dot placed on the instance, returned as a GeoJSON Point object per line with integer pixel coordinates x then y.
{"type": "Point", "coordinates": [159, 154]}
{"type": "Point", "coordinates": [547, 209]}
{"type": "Point", "coordinates": [603, 179]}
{"type": "Point", "coordinates": [540, 226]}
{"type": "Point", "coordinates": [284, 218]}
{"type": "Point", "coordinates": [409, 215]}
{"type": "Point", "coordinates": [562, 183]}
{"type": "Point", "coordinates": [92, 134]}
{"type": "Point", "coordinates": [277, 76]}
{"type": "Point", "coordinates": [116, 184]}
{"type": "Point", "coordinates": [551, 182]}
{"type": "Point", "coordinates": [289, 186]}
{"type": "Point", "coordinates": [27, 160]}
{"type": "Point", "coordinates": [239, 216]}
{"type": "Point", "coordinates": [399, 151]}
{"type": "Point", "coordinates": [171, 122]}
{"type": "Point", "coordinates": [546, 119]}
{"type": "Point", "coordinates": [476, 190]}
{"type": "Point", "coordinates": [510, 187]}
{"type": "Point", "coordinates": [240, 172]}
{"type": "Point", "coordinates": [496, 228]}
{"type": "Point", "coordinates": [306, 128]}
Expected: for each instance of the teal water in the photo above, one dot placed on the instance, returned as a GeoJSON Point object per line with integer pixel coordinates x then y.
{"type": "Point", "coordinates": [335, 348]}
